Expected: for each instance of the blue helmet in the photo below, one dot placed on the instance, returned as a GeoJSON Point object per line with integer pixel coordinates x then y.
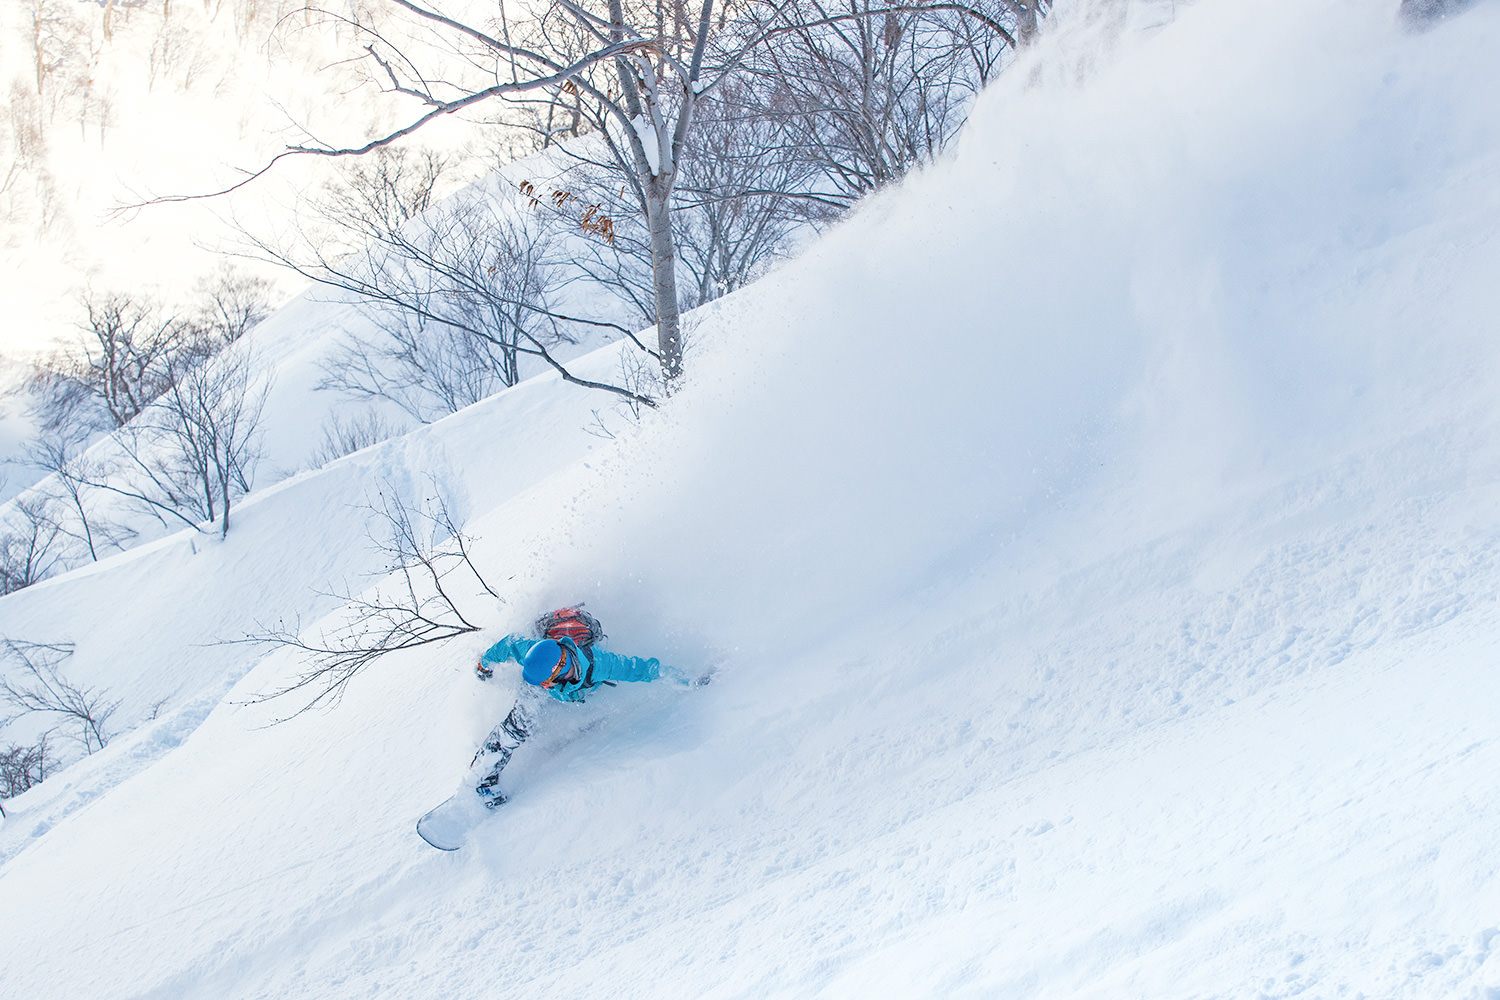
{"type": "Point", "coordinates": [545, 663]}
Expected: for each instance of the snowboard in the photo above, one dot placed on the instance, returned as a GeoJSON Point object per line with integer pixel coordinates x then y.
{"type": "Point", "coordinates": [447, 826]}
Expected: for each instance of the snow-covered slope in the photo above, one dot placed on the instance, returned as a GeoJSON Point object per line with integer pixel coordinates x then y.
{"type": "Point", "coordinates": [1095, 541]}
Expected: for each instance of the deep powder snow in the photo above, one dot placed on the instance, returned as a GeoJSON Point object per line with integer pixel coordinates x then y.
{"type": "Point", "coordinates": [1095, 541]}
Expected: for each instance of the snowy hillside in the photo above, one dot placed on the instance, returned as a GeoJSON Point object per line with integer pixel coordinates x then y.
{"type": "Point", "coordinates": [1095, 542]}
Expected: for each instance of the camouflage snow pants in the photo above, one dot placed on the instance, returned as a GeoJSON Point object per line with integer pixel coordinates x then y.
{"type": "Point", "coordinates": [504, 740]}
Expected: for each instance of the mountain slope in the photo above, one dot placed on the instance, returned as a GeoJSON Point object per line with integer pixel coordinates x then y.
{"type": "Point", "coordinates": [1095, 541]}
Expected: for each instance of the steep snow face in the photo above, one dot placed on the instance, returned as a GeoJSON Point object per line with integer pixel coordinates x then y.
{"type": "Point", "coordinates": [1194, 274]}
{"type": "Point", "coordinates": [1095, 541]}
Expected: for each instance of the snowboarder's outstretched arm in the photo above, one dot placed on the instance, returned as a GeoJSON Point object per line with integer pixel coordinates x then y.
{"type": "Point", "coordinates": [512, 647]}
{"type": "Point", "coordinates": [615, 667]}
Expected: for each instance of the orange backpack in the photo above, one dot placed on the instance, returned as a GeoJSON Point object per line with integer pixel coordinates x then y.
{"type": "Point", "coordinates": [571, 623]}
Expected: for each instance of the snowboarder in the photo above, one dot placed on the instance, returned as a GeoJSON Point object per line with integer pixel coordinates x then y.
{"type": "Point", "coordinates": [567, 664]}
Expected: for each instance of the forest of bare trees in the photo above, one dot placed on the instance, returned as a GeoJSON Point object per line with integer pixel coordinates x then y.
{"type": "Point", "coordinates": [703, 139]}
{"type": "Point", "coordinates": [181, 395]}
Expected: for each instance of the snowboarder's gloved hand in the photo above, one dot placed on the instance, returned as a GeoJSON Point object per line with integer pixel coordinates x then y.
{"type": "Point", "coordinates": [484, 672]}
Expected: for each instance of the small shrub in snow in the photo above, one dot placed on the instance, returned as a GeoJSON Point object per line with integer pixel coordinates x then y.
{"type": "Point", "coordinates": [23, 766]}
{"type": "Point", "coordinates": [345, 437]}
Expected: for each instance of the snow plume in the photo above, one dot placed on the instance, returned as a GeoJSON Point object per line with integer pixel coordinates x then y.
{"type": "Point", "coordinates": [1190, 270]}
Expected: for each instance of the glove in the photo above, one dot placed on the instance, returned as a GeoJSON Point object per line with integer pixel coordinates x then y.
{"type": "Point", "coordinates": [484, 672]}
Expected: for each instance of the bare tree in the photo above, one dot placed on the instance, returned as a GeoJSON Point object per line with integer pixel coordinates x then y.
{"type": "Point", "coordinates": [132, 346]}
{"type": "Point", "coordinates": [864, 91]}
{"type": "Point", "coordinates": [461, 293]}
{"type": "Point", "coordinates": [427, 368]}
{"type": "Point", "coordinates": [461, 299]}
{"type": "Point", "coordinates": [185, 409]}
{"type": "Point", "coordinates": [176, 57]}
{"type": "Point", "coordinates": [41, 690]}
{"type": "Point", "coordinates": [21, 767]}
{"type": "Point", "coordinates": [128, 348]}
{"type": "Point", "coordinates": [734, 210]}
{"type": "Point", "coordinates": [61, 400]}
{"type": "Point", "coordinates": [429, 565]}
{"type": "Point", "coordinates": [601, 238]}
{"type": "Point", "coordinates": [740, 201]}
{"type": "Point", "coordinates": [450, 295]}
{"type": "Point", "coordinates": [385, 189]}
{"type": "Point", "coordinates": [643, 379]}
{"type": "Point", "coordinates": [230, 304]}
{"type": "Point", "coordinates": [634, 73]}
{"type": "Point", "coordinates": [636, 70]}
{"type": "Point", "coordinates": [30, 544]}
{"type": "Point", "coordinates": [193, 452]}
{"type": "Point", "coordinates": [31, 191]}
{"type": "Point", "coordinates": [52, 40]}
{"type": "Point", "coordinates": [69, 489]}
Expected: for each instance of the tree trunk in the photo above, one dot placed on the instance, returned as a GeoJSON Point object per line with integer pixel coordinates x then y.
{"type": "Point", "coordinates": [36, 45]}
{"type": "Point", "coordinates": [1026, 23]}
{"type": "Point", "coordinates": [664, 277]}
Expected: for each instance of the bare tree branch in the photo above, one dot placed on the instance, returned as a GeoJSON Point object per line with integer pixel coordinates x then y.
{"type": "Point", "coordinates": [42, 690]}
{"type": "Point", "coordinates": [413, 606]}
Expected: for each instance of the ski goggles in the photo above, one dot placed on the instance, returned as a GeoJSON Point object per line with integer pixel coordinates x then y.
{"type": "Point", "coordinates": [561, 674]}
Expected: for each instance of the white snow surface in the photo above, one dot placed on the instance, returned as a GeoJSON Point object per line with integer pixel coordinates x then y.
{"type": "Point", "coordinates": [1095, 542]}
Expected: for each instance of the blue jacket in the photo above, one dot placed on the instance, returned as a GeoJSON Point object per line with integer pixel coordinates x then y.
{"type": "Point", "coordinates": [606, 666]}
